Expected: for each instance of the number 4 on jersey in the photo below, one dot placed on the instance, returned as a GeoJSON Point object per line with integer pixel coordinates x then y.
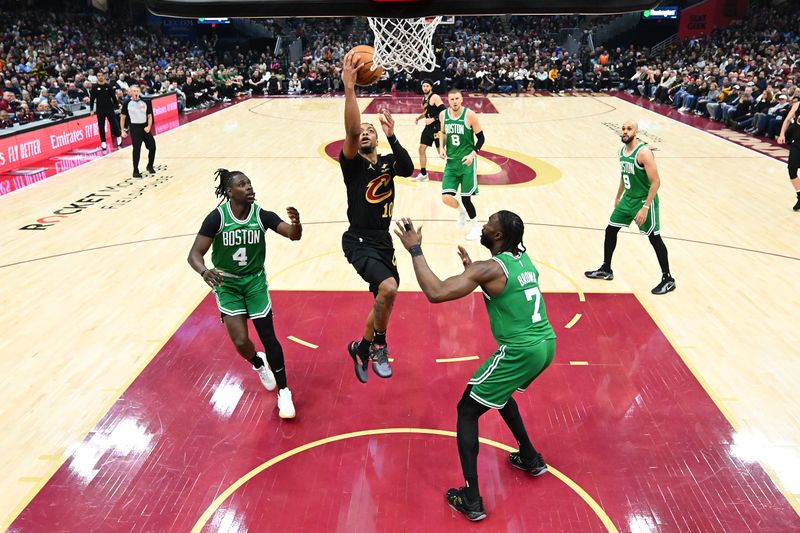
{"type": "Point", "coordinates": [241, 257]}
{"type": "Point", "coordinates": [529, 294]}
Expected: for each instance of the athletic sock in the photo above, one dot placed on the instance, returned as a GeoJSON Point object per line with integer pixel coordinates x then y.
{"type": "Point", "coordinates": [423, 171]}
{"type": "Point", "coordinates": [256, 361]}
{"type": "Point", "coordinates": [471, 489]}
{"type": "Point", "coordinates": [363, 348]}
{"type": "Point", "coordinates": [380, 338]}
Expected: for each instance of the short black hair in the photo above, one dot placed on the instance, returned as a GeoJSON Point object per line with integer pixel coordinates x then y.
{"type": "Point", "coordinates": [225, 178]}
{"type": "Point", "coordinates": [513, 228]}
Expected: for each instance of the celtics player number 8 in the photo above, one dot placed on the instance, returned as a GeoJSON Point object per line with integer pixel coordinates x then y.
{"type": "Point", "coordinates": [455, 140]}
{"type": "Point", "coordinates": [529, 294]}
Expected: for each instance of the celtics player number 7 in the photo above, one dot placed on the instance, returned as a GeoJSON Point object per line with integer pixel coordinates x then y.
{"type": "Point", "coordinates": [529, 294]}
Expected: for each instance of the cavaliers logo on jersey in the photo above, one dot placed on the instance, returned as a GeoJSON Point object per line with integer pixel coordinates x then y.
{"type": "Point", "coordinates": [379, 189]}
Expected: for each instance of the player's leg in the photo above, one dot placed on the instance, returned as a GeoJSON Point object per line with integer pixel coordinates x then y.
{"type": "Point", "coordinates": [467, 499]}
{"type": "Point", "coordinates": [424, 143]}
{"type": "Point", "coordinates": [115, 131]}
{"type": "Point", "coordinates": [529, 366]}
{"type": "Point", "coordinates": [266, 332]}
{"type": "Point", "coordinates": [469, 189]}
{"type": "Point", "coordinates": [794, 163]}
{"type": "Point", "coordinates": [381, 311]}
{"type": "Point", "coordinates": [450, 183]}
{"type": "Point", "coordinates": [622, 217]}
{"type": "Point", "coordinates": [231, 299]}
{"type": "Point", "coordinates": [652, 228]}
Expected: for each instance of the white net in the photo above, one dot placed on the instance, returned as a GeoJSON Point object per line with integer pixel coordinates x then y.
{"type": "Point", "coordinates": [404, 44]}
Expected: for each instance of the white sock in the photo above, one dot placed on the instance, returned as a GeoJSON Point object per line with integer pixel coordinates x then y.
{"type": "Point", "coordinates": [461, 209]}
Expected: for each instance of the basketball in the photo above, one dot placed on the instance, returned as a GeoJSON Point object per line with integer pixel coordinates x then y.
{"type": "Point", "coordinates": [366, 76]}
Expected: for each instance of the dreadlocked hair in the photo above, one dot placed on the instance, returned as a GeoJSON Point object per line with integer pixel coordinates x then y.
{"type": "Point", "coordinates": [225, 178]}
{"type": "Point", "coordinates": [513, 228]}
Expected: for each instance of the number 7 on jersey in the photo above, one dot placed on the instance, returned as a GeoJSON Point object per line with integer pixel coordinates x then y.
{"type": "Point", "coordinates": [529, 294]}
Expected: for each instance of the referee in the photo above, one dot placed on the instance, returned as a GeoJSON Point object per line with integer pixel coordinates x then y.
{"type": "Point", "coordinates": [140, 115]}
{"type": "Point", "coordinates": [103, 95]}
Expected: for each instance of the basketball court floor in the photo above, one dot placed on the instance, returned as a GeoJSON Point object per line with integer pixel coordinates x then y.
{"type": "Point", "coordinates": [124, 406]}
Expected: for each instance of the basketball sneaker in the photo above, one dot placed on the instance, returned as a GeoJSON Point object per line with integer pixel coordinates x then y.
{"type": "Point", "coordinates": [600, 273]}
{"type": "Point", "coordinates": [475, 233]}
{"type": "Point", "coordinates": [119, 140]}
{"type": "Point", "coordinates": [421, 177]}
{"type": "Point", "coordinates": [137, 174]}
{"type": "Point", "coordinates": [457, 500]}
{"type": "Point", "coordinates": [797, 205]}
{"type": "Point", "coordinates": [535, 468]}
{"type": "Point", "coordinates": [264, 373]}
{"type": "Point", "coordinates": [380, 360]}
{"type": "Point", "coordinates": [667, 285]}
{"type": "Point", "coordinates": [103, 145]}
{"type": "Point", "coordinates": [360, 364]}
{"type": "Point", "coordinates": [285, 405]}
{"type": "Point", "coordinates": [151, 170]}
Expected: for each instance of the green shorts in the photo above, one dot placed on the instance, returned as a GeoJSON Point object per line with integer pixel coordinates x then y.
{"type": "Point", "coordinates": [248, 295]}
{"type": "Point", "coordinates": [456, 175]}
{"type": "Point", "coordinates": [626, 211]}
{"type": "Point", "coordinates": [509, 369]}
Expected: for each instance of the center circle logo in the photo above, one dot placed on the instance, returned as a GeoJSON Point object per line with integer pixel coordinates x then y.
{"type": "Point", "coordinates": [505, 168]}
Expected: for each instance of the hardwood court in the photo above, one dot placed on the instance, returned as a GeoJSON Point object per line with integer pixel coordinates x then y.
{"type": "Point", "coordinates": [95, 296]}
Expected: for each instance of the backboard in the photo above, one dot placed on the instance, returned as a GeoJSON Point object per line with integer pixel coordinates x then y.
{"type": "Point", "coordinates": [389, 8]}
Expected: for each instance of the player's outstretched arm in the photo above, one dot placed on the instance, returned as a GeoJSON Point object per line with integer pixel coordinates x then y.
{"type": "Point", "coordinates": [475, 273]}
{"type": "Point", "coordinates": [352, 115]}
{"type": "Point", "coordinates": [293, 230]}
{"type": "Point", "coordinates": [403, 165]}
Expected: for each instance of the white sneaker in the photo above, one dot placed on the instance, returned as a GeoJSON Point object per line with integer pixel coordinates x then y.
{"type": "Point", "coordinates": [119, 141]}
{"type": "Point", "coordinates": [475, 233]}
{"type": "Point", "coordinates": [421, 177]}
{"type": "Point", "coordinates": [285, 405]}
{"type": "Point", "coordinates": [103, 146]}
{"type": "Point", "coordinates": [266, 375]}
{"type": "Point", "coordinates": [462, 217]}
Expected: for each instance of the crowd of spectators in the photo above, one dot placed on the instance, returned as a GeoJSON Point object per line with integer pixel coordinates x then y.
{"type": "Point", "coordinates": [744, 75]}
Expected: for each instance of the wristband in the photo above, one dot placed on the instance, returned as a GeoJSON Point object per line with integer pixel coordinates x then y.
{"type": "Point", "coordinates": [203, 273]}
{"type": "Point", "coordinates": [645, 207]}
{"type": "Point", "coordinates": [415, 250]}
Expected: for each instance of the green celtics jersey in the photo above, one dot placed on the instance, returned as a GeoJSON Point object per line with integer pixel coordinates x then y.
{"type": "Point", "coordinates": [517, 315]}
{"type": "Point", "coordinates": [239, 247]}
{"type": "Point", "coordinates": [458, 135]}
{"type": "Point", "coordinates": [634, 177]}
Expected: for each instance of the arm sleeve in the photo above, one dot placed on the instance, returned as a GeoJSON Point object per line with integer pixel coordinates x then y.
{"type": "Point", "coordinates": [403, 165]}
{"type": "Point", "coordinates": [439, 110]}
{"type": "Point", "coordinates": [269, 219]}
{"type": "Point", "coordinates": [211, 224]}
{"type": "Point", "coordinates": [481, 139]}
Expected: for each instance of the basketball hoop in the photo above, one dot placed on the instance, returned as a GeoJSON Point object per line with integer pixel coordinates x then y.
{"type": "Point", "coordinates": [404, 44]}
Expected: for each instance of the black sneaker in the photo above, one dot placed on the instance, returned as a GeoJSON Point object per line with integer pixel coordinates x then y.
{"type": "Point", "coordinates": [151, 170]}
{"type": "Point", "coordinates": [667, 285]}
{"type": "Point", "coordinates": [360, 364]}
{"type": "Point", "coordinates": [797, 205]}
{"type": "Point", "coordinates": [457, 500]}
{"type": "Point", "coordinates": [137, 174]}
{"type": "Point", "coordinates": [380, 360]}
{"type": "Point", "coordinates": [600, 273]}
{"type": "Point", "coordinates": [535, 468]}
